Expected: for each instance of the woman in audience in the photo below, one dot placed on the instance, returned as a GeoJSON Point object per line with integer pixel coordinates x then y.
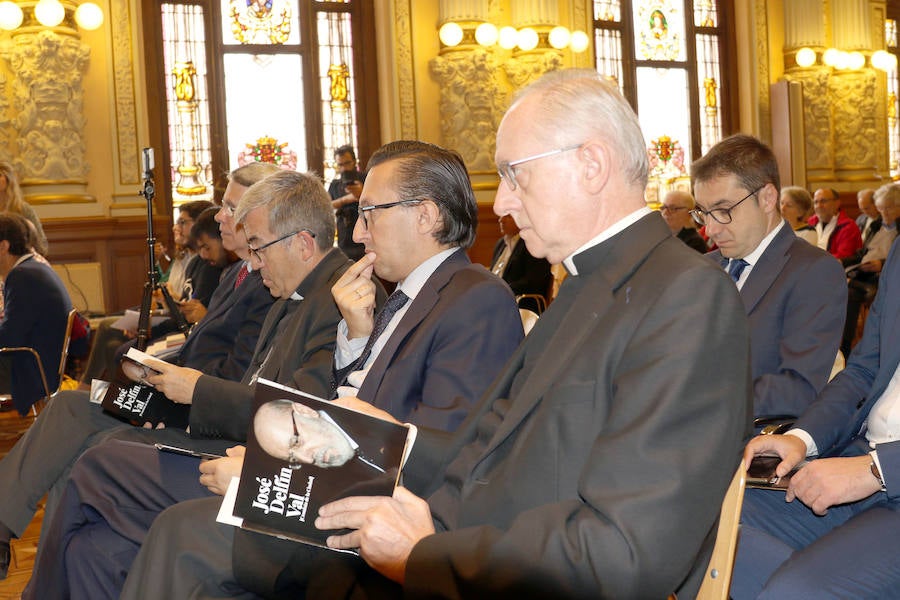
{"type": "Point", "coordinates": [11, 200]}
{"type": "Point", "coordinates": [796, 208]}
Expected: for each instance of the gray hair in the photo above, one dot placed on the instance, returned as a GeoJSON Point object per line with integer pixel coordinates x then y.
{"type": "Point", "coordinates": [252, 173]}
{"type": "Point", "coordinates": [889, 192]}
{"type": "Point", "coordinates": [579, 103]}
{"type": "Point", "coordinates": [294, 201]}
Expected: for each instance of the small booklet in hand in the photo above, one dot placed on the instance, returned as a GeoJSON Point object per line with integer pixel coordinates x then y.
{"type": "Point", "coordinates": [304, 452]}
{"type": "Point", "coordinates": [761, 473]}
{"type": "Point", "coordinates": [138, 403]}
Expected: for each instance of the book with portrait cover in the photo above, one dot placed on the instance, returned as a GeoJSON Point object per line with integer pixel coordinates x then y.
{"type": "Point", "coordinates": [304, 452]}
{"type": "Point", "coordinates": [138, 403]}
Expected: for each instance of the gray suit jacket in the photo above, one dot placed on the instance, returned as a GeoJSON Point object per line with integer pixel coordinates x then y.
{"type": "Point", "coordinates": [838, 417]}
{"type": "Point", "coordinates": [597, 462]}
{"type": "Point", "coordinates": [796, 300]}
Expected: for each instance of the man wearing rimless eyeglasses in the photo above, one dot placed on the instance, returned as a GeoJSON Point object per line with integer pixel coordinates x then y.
{"type": "Point", "coordinates": [794, 293]}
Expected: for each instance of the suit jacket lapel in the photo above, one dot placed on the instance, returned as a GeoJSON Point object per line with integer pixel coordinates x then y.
{"type": "Point", "coordinates": [767, 268]}
{"type": "Point", "coordinates": [420, 308]}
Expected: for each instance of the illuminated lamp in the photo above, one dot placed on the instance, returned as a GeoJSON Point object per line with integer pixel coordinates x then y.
{"type": "Point", "coordinates": [49, 13]}
{"type": "Point", "coordinates": [855, 60]}
{"type": "Point", "coordinates": [527, 39]}
{"type": "Point", "coordinates": [805, 57]}
{"type": "Point", "coordinates": [10, 15]}
{"type": "Point", "coordinates": [486, 34]}
{"type": "Point", "coordinates": [559, 37]}
{"type": "Point", "coordinates": [450, 33]}
{"type": "Point", "coordinates": [89, 16]}
{"type": "Point", "coordinates": [579, 41]}
{"type": "Point", "coordinates": [508, 38]}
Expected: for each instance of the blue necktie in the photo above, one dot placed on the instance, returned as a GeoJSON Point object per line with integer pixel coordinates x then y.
{"type": "Point", "coordinates": [736, 267]}
{"type": "Point", "coordinates": [395, 302]}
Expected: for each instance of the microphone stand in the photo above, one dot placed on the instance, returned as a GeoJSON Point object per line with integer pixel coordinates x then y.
{"type": "Point", "coordinates": [152, 283]}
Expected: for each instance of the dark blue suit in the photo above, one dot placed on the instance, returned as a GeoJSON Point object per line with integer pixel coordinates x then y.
{"type": "Point", "coordinates": [37, 306]}
{"type": "Point", "coordinates": [852, 550]}
{"type": "Point", "coordinates": [795, 298]}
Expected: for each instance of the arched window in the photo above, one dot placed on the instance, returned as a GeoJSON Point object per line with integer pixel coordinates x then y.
{"type": "Point", "coordinates": [267, 80]}
{"type": "Point", "coordinates": [669, 59]}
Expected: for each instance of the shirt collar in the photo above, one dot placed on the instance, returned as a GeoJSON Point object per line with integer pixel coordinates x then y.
{"type": "Point", "coordinates": [412, 284]}
{"type": "Point", "coordinates": [607, 233]}
{"type": "Point", "coordinates": [753, 258]}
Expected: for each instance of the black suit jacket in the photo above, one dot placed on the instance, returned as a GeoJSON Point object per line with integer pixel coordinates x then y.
{"type": "Point", "coordinates": [221, 344]}
{"type": "Point", "coordinates": [525, 274]}
{"type": "Point", "coordinates": [597, 463]}
{"type": "Point", "coordinates": [295, 348]}
{"type": "Point", "coordinates": [36, 307]}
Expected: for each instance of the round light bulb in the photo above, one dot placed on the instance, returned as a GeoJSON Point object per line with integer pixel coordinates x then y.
{"type": "Point", "coordinates": [451, 33]}
{"type": "Point", "coordinates": [486, 34]}
{"type": "Point", "coordinates": [805, 57]}
{"type": "Point", "coordinates": [10, 15]}
{"type": "Point", "coordinates": [579, 41]}
{"type": "Point", "coordinates": [89, 16]}
{"type": "Point", "coordinates": [527, 39]}
{"type": "Point", "coordinates": [49, 13]}
{"type": "Point", "coordinates": [856, 60]}
{"type": "Point", "coordinates": [880, 59]}
{"type": "Point", "coordinates": [508, 37]}
{"type": "Point", "coordinates": [559, 37]}
{"type": "Point", "coordinates": [843, 61]}
{"type": "Point", "coordinates": [830, 58]}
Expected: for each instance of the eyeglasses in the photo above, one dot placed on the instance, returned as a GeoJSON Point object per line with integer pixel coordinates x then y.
{"type": "Point", "coordinates": [720, 215]}
{"type": "Point", "coordinates": [506, 169]}
{"type": "Point", "coordinates": [183, 222]}
{"type": "Point", "coordinates": [294, 460]}
{"type": "Point", "coordinates": [257, 252]}
{"type": "Point", "coordinates": [362, 210]}
{"type": "Point", "coordinates": [665, 208]}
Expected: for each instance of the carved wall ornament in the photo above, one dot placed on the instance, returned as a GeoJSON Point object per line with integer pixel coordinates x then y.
{"type": "Point", "coordinates": [48, 99]}
{"type": "Point", "coordinates": [853, 104]}
{"type": "Point", "coordinates": [816, 117]}
{"type": "Point", "coordinates": [472, 103]}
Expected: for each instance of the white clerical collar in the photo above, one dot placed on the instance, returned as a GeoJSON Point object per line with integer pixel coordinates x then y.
{"type": "Point", "coordinates": [607, 233]}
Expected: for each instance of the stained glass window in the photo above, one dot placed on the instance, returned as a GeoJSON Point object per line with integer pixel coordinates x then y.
{"type": "Point", "coordinates": [893, 108]}
{"type": "Point", "coordinates": [666, 57]}
{"type": "Point", "coordinates": [282, 75]}
{"type": "Point", "coordinates": [187, 101]}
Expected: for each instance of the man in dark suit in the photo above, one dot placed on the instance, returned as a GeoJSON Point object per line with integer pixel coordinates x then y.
{"type": "Point", "coordinates": [869, 220]}
{"type": "Point", "coordinates": [431, 361]}
{"type": "Point", "coordinates": [523, 273]}
{"type": "Point", "coordinates": [794, 293]}
{"type": "Point", "coordinates": [842, 538]}
{"type": "Point", "coordinates": [71, 423]}
{"type": "Point", "coordinates": [578, 474]}
{"type": "Point", "coordinates": [676, 211]}
{"type": "Point", "coordinates": [37, 307]}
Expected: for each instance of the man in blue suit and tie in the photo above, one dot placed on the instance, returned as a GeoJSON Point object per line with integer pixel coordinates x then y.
{"type": "Point", "coordinates": [794, 293]}
{"type": "Point", "coordinates": [842, 538]}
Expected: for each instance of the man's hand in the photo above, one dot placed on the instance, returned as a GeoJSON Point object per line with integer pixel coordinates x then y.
{"type": "Point", "coordinates": [354, 294]}
{"type": "Point", "coordinates": [790, 448]}
{"type": "Point", "coordinates": [355, 188]}
{"type": "Point", "coordinates": [829, 481]}
{"type": "Point", "coordinates": [216, 474]}
{"type": "Point", "coordinates": [385, 529]}
{"type": "Point", "coordinates": [872, 266]}
{"type": "Point", "coordinates": [193, 310]}
{"type": "Point", "coordinates": [177, 383]}
{"type": "Point", "coordinates": [364, 407]}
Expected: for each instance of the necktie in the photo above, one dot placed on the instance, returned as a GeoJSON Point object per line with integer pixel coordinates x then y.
{"type": "Point", "coordinates": [242, 275]}
{"type": "Point", "coordinates": [736, 267]}
{"type": "Point", "coordinates": [394, 303]}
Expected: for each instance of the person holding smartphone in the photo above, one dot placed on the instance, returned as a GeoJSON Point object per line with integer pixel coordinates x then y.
{"type": "Point", "coordinates": [345, 190]}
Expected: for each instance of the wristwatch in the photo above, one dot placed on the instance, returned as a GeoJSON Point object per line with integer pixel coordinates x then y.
{"type": "Point", "coordinates": [877, 474]}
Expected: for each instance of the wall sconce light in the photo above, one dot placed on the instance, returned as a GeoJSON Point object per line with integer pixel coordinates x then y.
{"type": "Point", "coordinates": [884, 61]}
{"type": "Point", "coordinates": [50, 13]}
{"type": "Point", "coordinates": [805, 57]}
{"type": "Point", "coordinates": [486, 34]}
{"type": "Point", "coordinates": [831, 57]}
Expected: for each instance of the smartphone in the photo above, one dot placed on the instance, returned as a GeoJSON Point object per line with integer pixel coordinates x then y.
{"type": "Point", "coordinates": [348, 177]}
{"type": "Point", "coordinates": [186, 452]}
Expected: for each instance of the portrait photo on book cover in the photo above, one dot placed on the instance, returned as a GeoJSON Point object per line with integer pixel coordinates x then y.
{"type": "Point", "coordinates": [303, 453]}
